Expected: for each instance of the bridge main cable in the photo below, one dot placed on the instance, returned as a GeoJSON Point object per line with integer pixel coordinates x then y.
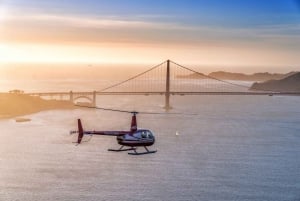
{"type": "Point", "coordinates": [210, 77]}
{"type": "Point", "coordinates": [122, 82]}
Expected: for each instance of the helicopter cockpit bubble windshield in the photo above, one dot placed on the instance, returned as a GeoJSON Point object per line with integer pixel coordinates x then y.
{"type": "Point", "coordinates": [144, 134]}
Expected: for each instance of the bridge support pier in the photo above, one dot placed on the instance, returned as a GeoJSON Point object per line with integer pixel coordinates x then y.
{"type": "Point", "coordinates": [94, 98]}
{"type": "Point", "coordinates": [71, 97]}
{"type": "Point", "coordinates": [167, 93]}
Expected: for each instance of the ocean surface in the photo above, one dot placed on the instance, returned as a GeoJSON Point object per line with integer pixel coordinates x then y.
{"type": "Point", "coordinates": [227, 148]}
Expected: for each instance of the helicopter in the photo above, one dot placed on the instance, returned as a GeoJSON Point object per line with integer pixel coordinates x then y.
{"type": "Point", "coordinates": [133, 138]}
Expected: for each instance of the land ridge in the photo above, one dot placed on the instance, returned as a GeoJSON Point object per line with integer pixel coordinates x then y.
{"type": "Point", "coordinates": [288, 84]}
{"type": "Point", "coordinates": [15, 105]}
{"type": "Point", "coordinates": [223, 75]}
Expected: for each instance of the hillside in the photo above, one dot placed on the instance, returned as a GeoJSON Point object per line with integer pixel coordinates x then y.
{"type": "Point", "coordinates": [259, 77]}
{"type": "Point", "coordinates": [13, 105]}
{"type": "Point", "coordinates": [192, 76]}
{"type": "Point", "coordinates": [249, 77]}
{"type": "Point", "coordinates": [288, 84]}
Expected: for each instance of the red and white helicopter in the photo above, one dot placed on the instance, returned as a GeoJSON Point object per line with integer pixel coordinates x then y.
{"type": "Point", "coordinates": [133, 138]}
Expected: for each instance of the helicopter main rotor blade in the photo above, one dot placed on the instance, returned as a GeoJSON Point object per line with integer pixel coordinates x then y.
{"type": "Point", "coordinates": [135, 112]}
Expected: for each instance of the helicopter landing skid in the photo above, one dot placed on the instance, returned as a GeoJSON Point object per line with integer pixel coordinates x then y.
{"type": "Point", "coordinates": [141, 153]}
{"type": "Point", "coordinates": [121, 149]}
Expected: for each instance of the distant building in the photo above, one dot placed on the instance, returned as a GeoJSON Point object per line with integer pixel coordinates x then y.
{"type": "Point", "coordinates": [16, 91]}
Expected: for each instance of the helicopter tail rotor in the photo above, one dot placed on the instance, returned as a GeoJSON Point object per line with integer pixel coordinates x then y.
{"type": "Point", "coordinates": [80, 132]}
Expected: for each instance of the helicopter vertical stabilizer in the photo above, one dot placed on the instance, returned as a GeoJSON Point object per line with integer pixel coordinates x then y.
{"type": "Point", "coordinates": [80, 131]}
{"type": "Point", "coordinates": [133, 126]}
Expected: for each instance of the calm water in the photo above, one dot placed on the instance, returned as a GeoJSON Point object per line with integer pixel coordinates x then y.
{"type": "Point", "coordinates": [235, 148]}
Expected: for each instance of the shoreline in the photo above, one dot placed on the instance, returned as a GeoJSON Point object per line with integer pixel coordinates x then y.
{"type": "Point", "coordinates": [16, 105]}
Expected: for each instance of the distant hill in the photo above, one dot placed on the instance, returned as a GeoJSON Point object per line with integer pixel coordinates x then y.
{"type": "Point", "coordinates": [288, 84]}
{"type": "Point", "coordinates": [192, 76]}
{"type": "Point", "coordinates": [252, 77]}
{"type": "Point", "coordinates": [222, 75]}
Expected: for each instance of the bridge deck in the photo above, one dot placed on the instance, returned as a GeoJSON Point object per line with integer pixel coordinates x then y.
{"type": "Point", "coordinates": [163, 93]}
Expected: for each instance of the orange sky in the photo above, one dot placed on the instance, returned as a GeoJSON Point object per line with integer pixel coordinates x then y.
{"type": "Point", "coordinates": [35, 37]}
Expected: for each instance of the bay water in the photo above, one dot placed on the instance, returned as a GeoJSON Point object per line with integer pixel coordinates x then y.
{"type": "Point", "coordinates": [216, 148]}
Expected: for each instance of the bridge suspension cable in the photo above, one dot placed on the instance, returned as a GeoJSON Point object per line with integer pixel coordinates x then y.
{"type": "Point", "coordinates": [132, 78]}
{"type": "Point", "coordinates": [210, 77]}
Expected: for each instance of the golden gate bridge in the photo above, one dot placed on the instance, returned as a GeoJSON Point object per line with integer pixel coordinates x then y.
{"type": "Point", "coordinates": [167, 78]}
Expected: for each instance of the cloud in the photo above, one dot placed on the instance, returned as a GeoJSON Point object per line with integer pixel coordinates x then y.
{"type": "Point", "coordinates": [114, 34]}
{"type": "Point", "coordinates": [85, 21]}
{"type": "Point", "coordinates": [70, 28]}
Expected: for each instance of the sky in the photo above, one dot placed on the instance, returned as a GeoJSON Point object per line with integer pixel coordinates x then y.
{"type": "Point", "coordinates": [198, 32]}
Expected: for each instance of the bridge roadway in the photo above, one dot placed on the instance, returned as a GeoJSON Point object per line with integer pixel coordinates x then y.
{"type": "Point", "coordinates": [92, 96]}
{"type": "Point", "coordinates": [161, 93]}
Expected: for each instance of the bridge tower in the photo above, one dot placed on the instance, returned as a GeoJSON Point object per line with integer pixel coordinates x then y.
{"type": "Point", "coordinates": [167, 93]}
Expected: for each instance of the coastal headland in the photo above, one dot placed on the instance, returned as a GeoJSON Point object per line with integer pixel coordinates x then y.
{"type": "Point", "coordinates": [15, 105]}
{"type": "Point", "coordinates": [288, 84]}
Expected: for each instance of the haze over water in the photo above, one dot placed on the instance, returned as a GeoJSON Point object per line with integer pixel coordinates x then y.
{"type": "Point", "coordinates": [235, 148]}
